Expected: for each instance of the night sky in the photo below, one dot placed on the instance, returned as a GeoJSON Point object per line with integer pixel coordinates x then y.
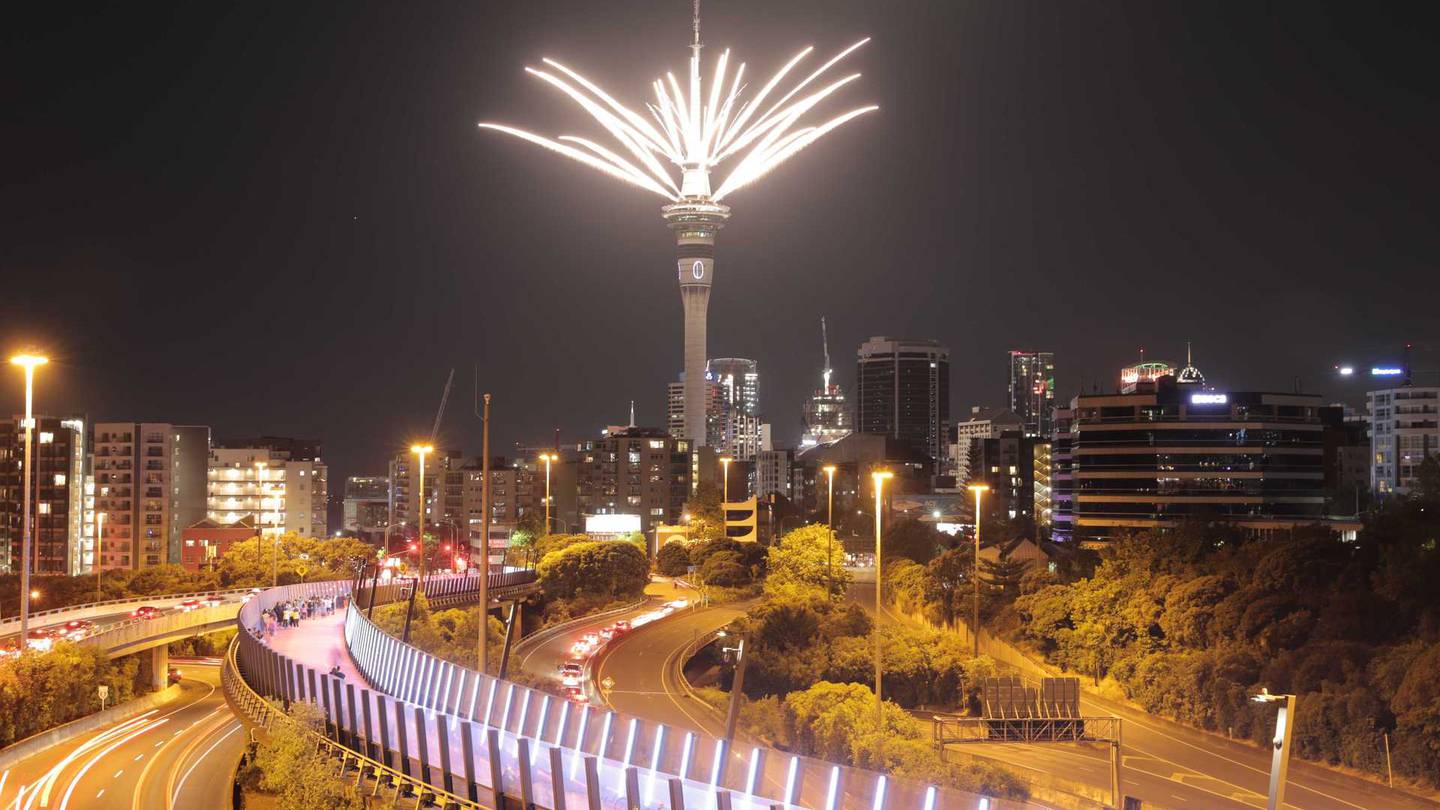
{"type": "Point", "coordinates": [281, 218]}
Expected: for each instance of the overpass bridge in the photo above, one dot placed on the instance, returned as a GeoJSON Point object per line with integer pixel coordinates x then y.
{"type": "Point", "coordinates": [407, 723]}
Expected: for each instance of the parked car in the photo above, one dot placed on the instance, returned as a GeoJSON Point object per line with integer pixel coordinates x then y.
{"type": "Point", "coordinates": [145, 612]}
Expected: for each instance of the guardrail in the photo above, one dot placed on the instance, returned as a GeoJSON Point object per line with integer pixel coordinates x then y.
{"type": "Point", "coordinates": [132, 635]}
{"type": "Point", "coordinates": [451, 589]}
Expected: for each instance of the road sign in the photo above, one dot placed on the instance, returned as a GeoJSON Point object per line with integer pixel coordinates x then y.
{"type": "Point", "coordinates": [608, 683]}
{"type": "Point", "coordinates": [103, 691]}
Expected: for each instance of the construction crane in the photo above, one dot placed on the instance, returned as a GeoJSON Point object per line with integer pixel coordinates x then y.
{"type": "Point", "coordinates": [440, 414]}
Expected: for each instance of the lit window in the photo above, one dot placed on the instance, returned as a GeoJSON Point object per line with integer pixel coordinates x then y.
{"type": "Point", "coordinates": [44, 508]}
{"type": "Point", "coordinates": [46, 438]}
{"type": "Point", "coordinates": [59, 479]}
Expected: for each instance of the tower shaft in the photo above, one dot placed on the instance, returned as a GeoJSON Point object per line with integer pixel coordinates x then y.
{"type": "Point", "coordinates": [695, 221]}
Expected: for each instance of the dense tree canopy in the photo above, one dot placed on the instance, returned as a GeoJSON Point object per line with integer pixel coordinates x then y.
{"type": "Point", "coordinates": [807, 557]}
{"type": "Point", "coordinates": [1190, 622]}
{"type": "Point", "coordinates": [609, 568]}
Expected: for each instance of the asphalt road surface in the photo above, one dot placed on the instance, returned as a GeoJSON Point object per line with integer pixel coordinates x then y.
{"type": "Point", "coordinates": [1168, 765]}
{"type": "Point", "coordinates": [180, 755]}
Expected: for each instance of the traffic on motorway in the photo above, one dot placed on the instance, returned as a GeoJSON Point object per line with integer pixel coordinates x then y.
{"type": "Point", "coordinates": [573, 671]}
{"type": "Point", "coordinates": [44, 638]}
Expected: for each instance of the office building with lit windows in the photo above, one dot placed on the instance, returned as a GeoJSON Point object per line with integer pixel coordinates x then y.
{"type": "Point", "coordinates": [633, 471]}
{"type": "Point", "coordinates": [60, 543]}
{"type": "Point", "coordinates": [150, 482]}
{"type": "Point", "coordinates": [1167, 452]}
{"type": "Point", "coordinates": [903, 391]}
{"type": "Point", "coordinates": [1032, 390]}
{"type": "Point", "coordinates": [1404, 430]}
{"type": "Point", "coordinates": [366, 508]}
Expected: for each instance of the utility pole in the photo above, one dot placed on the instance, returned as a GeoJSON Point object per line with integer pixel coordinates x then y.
{"type": "Point", "coordinates": [482, 653]}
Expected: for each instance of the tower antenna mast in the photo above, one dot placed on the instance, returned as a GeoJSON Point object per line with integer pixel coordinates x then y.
{"type": "Point", "coordinates": [825, 344]}
{"type": "Point", "coordinates": [695, 29]}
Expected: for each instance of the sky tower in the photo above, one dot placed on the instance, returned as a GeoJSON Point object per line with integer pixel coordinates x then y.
{"type": "Point", "coordinates": [695, 131]}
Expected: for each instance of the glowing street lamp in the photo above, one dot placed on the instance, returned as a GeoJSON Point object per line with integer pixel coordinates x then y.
{"type": "Point", "coordinates": [548, 458]}
{"type": "Point", "coordinates": [829, 470]}
{"type": "Point", "coordinates": [879, 477]}
{"type": "Point", "coordinates": [260, 513]}
{"type": "Point", "coordinates": [1280, 760]}
{"type": "Point", "coordinates": [978, 489]}
{"type": "Point", "coordinates": [99, 545]}
{"type": "Point", "coordinates": [422, 450]}
{"type": "Point", "coordinates": [29, 362]}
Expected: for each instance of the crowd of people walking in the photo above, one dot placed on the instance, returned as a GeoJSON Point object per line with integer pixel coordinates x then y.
{"type": "Point", "coordinates": [291, 613]}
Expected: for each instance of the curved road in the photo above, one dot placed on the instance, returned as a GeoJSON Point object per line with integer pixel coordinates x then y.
{"type": "Point", "coordinates": [1168, 765]}
{"type": "Point", "coordinates": [180, 755]}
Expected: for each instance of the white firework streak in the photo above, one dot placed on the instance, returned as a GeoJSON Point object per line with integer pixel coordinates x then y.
{"type": "Point", "coordinates": [692, 132]}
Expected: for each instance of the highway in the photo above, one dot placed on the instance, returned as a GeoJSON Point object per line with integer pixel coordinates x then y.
{"type": "Point", "coordinates": [98, 622]}
{"type": "Point", "coordinates": [1168, 765]}
{"type": "Point", "coordinates": [180, 755]}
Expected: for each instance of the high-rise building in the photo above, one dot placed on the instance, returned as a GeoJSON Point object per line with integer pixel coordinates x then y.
{"type": "Point", "coordinates": [444, 492]}
{"type": "Point", "coordinates": [367, 506]}
{"type": "Point", "coordinates": [773, 473]}
{"type": "Point", "coordinates": [826, 415]}
{"type": "Point", "coordinates": [1404, 429]}
{"type": "Point", "coordinates": [1042, 470]}
{"type": "Point", "coordinates": [984, 423]}
{"type": "Point", "coordinates": [1005, 463]}
{"type": "Point", "coordinates": [1165, 452]}
{"type": "Point", "coordinates": [633, 471]}
{"type": "Point", "coordinates": [1062, 478]}
{"type": "Point", "coordinates": [59, 543]}
{"type": "Point", "coordinates": [733, 423]}
{"type": "Point", "coordinates": [278, 493]}
{"type": "Point", "coordinates": [150, 483]}
{"type": "Point", "coordinates": [1032, 390]}
{"type": "Point", "coordinates": [903, 391]}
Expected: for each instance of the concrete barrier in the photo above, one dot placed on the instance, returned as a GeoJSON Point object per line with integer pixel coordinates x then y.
{"type": "Point", "coordinates": [37, 743]}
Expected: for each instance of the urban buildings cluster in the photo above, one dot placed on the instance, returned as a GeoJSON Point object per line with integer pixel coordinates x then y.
{"type": "Point", "coordinates": [132, 495]}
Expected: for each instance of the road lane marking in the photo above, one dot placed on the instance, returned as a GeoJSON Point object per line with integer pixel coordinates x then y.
{"type": "Point", "coordinates": [117, 773]}
{"type": "Point", "coordinates": [145, 774]}
{"type": "Point", "coordinates": [101, 793]}
{"type": "Point", "coordinates": [173, 790]}
{"type": "Point", "coordinates": [65, 799]}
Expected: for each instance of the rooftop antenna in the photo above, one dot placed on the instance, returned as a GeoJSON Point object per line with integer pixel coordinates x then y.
{"type": "Point", "coordinates": [695, 29]}
{"type": "Point", "coordinates": [824, 344]}
{"type": "Point", "coordinates": [632, 407]}
{"type": "Point", "coordinates": [1187, 354]}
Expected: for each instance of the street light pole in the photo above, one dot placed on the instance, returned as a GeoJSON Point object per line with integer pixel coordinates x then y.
{"type": "Point", "coordinates": [259, 516]}
{"type": "Point", "coordinates": [1280, 759]}
{"type": "Point", "coordinates": [830, 522]}
{"type": "Point", "coordinates": [978, 489]}
{"type": "Point", "coordinates": [725, 481]}
{"type": "Point", "coordinates": [27, 362]}
{"type": "Point", "coordinates": [879, 477]}
{"type": "Point", "coordinates": [99, 545]}
{"type": "Point", "coordinates": [483, 654]}
{"type": "Point", "coordinates": [547, 458]}
{"type": "Point", "coordinates": [421, 450]}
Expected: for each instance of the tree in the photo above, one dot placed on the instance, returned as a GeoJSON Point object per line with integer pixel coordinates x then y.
{"type": "Point", "coordinates": [725, 569]}
{"type": "Point", "coordinates": [288, 764]}
{"type": "Point", "coordinates": [704, 505]}
{"type": "Point", "coordinates": [807, 557]}
{"type": "Point", "coordinates": [673, 559]}
{"type": "Point", "coordinates": [608, 568]}
{"type": "Point", "coordinates": [913, 540]}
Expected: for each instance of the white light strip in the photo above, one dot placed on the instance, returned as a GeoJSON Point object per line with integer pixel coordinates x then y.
{"type": "Point", "coordinates": [604, 735]}
{"type": "Point", "coordinates": [929, 798]}
{"type": "Point", "coordinates": [509, 699]}
{"type": "Point", "coordinates": [789, 797]}
{"type": "Point", "coordinates": [754, 764]}
{"type": "Point", "coordinates": [686, 748]}
{"type": "Point", "coordinates": [880, 793]}
{"type": "Point", "coordinates": [580, 740]}
{"type": "Point", "coordinates": [630, 740]}
{"type": "Point", "coordinates": [474, 678]}
{"type": "Point", "coordinates": [833, 794]}
{"type": "Point", "coordinates": [560, 727]}
{"type": "Point", "coordinates": [719, 760]}
{"type": "Point", "coordinates": [539, 734]}
{"type": "Point", "coordinates": [524, 713]}
{"type": "Point", "coordinates": [490, 700]}
{"type": "Point", "coordinates": [655, 760]}
{"type": "Point", "coordinates": [983, 805]}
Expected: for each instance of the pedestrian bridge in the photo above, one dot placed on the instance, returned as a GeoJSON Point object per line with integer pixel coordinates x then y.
{"type": "Point", "coordinates": [427, 729]}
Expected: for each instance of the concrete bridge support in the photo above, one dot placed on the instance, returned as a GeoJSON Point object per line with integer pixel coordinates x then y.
{"type": "Point", "coordinates": [155, 667]}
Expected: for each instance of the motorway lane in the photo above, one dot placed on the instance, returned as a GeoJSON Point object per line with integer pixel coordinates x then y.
{"type": "Point", "coordinates": [189, 745]}
{"type": "Point", "coordinates": [99, 622]}
{"type": "Point", "coordinates": [1172, 766]}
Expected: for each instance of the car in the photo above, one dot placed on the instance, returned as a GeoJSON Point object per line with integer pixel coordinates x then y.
{"type": "Point", "coordinates": [213, 599]}
{"type": "Point", "coordinates": [678, 603]}
{"type": "Point", "coordinates": [41, 638]}
{"type": "Point", "coordinates": [593, 639]}
{"type": "Point", "coordinates": [608, 633]}
{"type": "Point", "coordinates": [172, 676]}
{"type": "Point", "coordinates": [621, 626]}
{"type": "Point", "coordinates": [573, 668]}
{"type": "Point", "coordinates": [575, 694]}
{"type": "Point", "coordinates": [145, 612]}
{"type": "Point", "coordinates": [580, 649]}
{"type": "Point", "coordinates": [76, 629]}
{"type": "Point", "coordinates": [189, 605]}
